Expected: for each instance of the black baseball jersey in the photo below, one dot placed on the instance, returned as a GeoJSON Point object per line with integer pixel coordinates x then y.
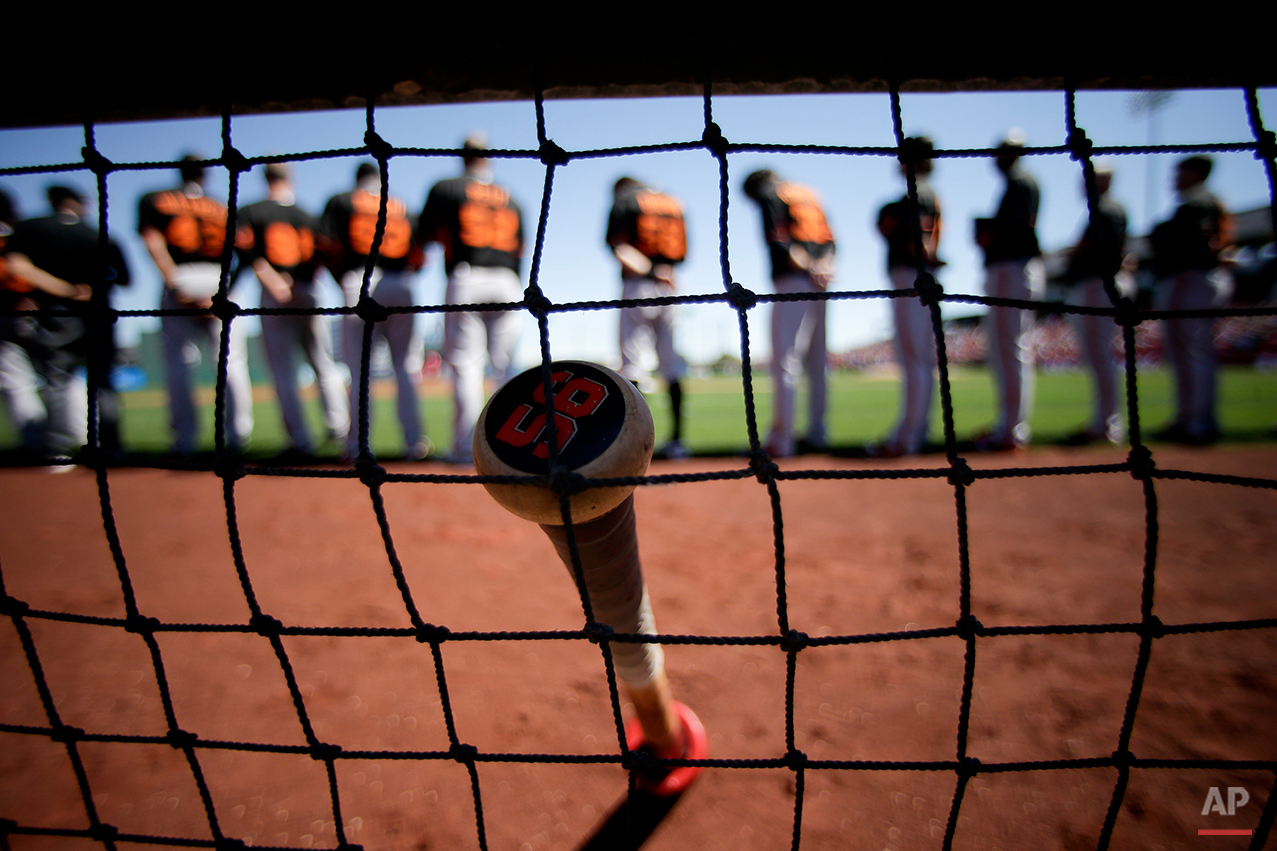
{"type": "Point", "coordinates": [1193, 237]}
{"type": "Point", "coordinates": [650, 221]}
{"type": "Point", "coordinates": [899, 225]}
{"type": "Point", "coordinates": [792, 215]}
{"type": "Point", "coordinates": [67, 248]}
{"type": "Point", "coordinates": [282, 234]}
{"type": "Point", "coordinates": [350, 221]}
{"type": "Point", "coordinates": [475, 222]}
{"type": "Point", "coordinates": [194, 228]}
{"type": "Point", "coordinates": [1012, 230]}
{"type": "Point", "coordinates": [1099, 252]}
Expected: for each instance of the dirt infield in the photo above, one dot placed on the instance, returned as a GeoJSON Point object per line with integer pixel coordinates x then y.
{"type": "Point", "coordinates": [862, 557]}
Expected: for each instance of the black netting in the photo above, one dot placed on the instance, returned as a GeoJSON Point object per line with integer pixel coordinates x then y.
{"type": "Point", "coordinates": [231, 468]}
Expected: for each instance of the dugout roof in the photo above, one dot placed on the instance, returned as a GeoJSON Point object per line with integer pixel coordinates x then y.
{"type": "Point", "coordinates": [113, 73]}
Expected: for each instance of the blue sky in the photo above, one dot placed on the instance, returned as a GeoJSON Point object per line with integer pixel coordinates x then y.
{"type": "Point", "coordinates": [577, 264]}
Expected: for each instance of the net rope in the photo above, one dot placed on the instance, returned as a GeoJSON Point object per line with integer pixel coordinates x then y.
{"type": "Point", "coordinates": [231, 468]}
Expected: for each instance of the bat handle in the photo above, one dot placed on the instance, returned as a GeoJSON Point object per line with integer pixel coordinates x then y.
{"type": "Point", "coordinates": [608, 546]}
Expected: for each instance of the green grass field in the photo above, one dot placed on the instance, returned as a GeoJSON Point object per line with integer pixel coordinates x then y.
{"type": "Point", "coordinates": [862, 407]}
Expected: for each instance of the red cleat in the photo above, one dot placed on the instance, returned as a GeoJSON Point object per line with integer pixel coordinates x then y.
{"type": "Point", "coordinates": [668, 782]}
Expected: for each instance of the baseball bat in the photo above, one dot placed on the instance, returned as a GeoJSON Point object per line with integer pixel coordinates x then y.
{"type": "Point", "coordinates": [602, 428]}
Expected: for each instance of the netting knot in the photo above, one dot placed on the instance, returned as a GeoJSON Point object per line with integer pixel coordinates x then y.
{"type": "Point", "coordinates": [740, 297]}
{"type": "Point", "coordinates": [97, 163]}
{"type": "Point", "coordinates": [929, 289]}
{"type": "Point", "coordinates": [1080, 147]}
{"type": "Point", "coordinates": [640, 761]}
{"type": "Point", "coordinates": [67, 734]}
{"type": "Point", "coordinates": [1123, 759]}
{"type": "Point", "coordinates": [223, 308]}
{"type": "Point", "coordinates": [1266, 147]}
{"type": "Point", "coordinates": [914, 150]}
{"type": "Point", "coordinates": [378, 147]}
{"type": "Point", "coordinates": [324, 751]}
{"type": "Point", "coordinates": [969, 627]}
{"type": "Point", "coordinates": [428, 633]}
{"type": "Point", "coordinates": [370, 310]}
{"type": "Point", "coordinates": [104, 832]}
{"type": "Point", "coordinates": [714, 139]}
{"type": "Point", "coordinates": [536, 302]}
{"type": "Point", "coordinates": [1141, 461]}
{"type": "Point", "coordinates": [227, 466]}
{"type": "Point", "coordinates": [179, 739]}
{"type": "Point", "coordinates": [141, 625]}
{"type": "Point", "coordinates": [370, 472]}
{"type": "Point", "coordinates": [89, 456]}
{"type": "Point", "coordinates": [463, 754]}
{"type": "Point", "coordinates": [762, 465]}
{"type": "Point", "coordinates": [7, 826]}
{"type": "Point", "coordinates": [960, 473]}
{"type": "Point", "coordinates": [552, 154]}
{"type": "Point", "coordinates": [793, 641]}
{"type": "Point", "coordinates": [235, 161]}
{"type": "Point", "coordinates": [265, 625]}
{"type": "Point", "coordinates": [1152, 627]}
{"type": "Point", "coordinates": [795, 760]}
{"type": "Point", "coordinates": [968, 767]}
{"type": "Point", "coordinates": [566, 482]}
{"type": "Point", "coordinates": [598, 632]}
{"type": "Point", "coordinates": [12, 606]}
{"type": "Point", "coordinates": [226, 843]}
{"type": "Point", "coordinates": [1126, 315]}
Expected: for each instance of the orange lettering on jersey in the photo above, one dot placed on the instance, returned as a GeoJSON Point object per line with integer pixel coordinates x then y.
{"type": "Point", "coordinates": [483, 226]}
{"type": "Point", "coordinates": [807, 220]}
{"type": "Point", "coordinates": [397, 239]}
{"type": "Point", "coordinates": [487, 194]}
{"type": "Point", "coordinates": [287, 246]}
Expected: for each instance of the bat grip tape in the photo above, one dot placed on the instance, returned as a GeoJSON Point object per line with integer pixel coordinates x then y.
{"type": "Point", "coordinates": [614, 579]}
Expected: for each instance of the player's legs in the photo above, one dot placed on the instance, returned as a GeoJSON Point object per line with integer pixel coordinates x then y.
{"type": "Point", "coordinates": [394, 290]}
{"type": "Point", "coordinates": [1095, 338]}
{"type": "Point", "coordinates": [786, 323]}
{"type": "Point", "coordinates": [463, 351]}
{"type": "Point", "coordinates": [635, 332]}
{"type": "Point", "coordinates": [179, 334]}
{"type": "Point", "coordinates": [916, 350]}
{"type": "Point", "coordinates": [1007, 329]}
{"type": "Point", "coordinates": [314, 336]}
{"type": "Point", "coordinates": [281, 335]}
{"type": "Point", "coordinates": [64, 400]}
{"type": "Point", "coordinates": [21, 396]}
{"type": "Point", "coordinates": [815, 363]}
{"type": "Point", "coordinates": [239, 386]}
{"type": "Point", "coordinates": [352, 341]}
{"type": "Point", "coordinates": [1191, 344]}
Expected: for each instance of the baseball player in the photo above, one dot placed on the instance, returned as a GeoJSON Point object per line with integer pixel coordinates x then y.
{"type": "Point", "coordinates": [480, 229]}
{"type": "Point", "coordinates": [1013, 269]}
{"type": "Point", "coordinates": [646, 233]}
{"type": "Point", "coordinates": [277, 240]}
{"type": "Point", "coordinates": [802, 249]}
{"type": "Point", "coordinates": [52, 262]}
{"type": "Point", "coordinates": [901, 225]}
{"type": "Point", "coordinates": [184, 232]}
{"type": "Point", "coordinates": [1187, 261]}
{"type": "Point", "coordinates": [1098, 256]}
{"type": "Point", "coordinates": [350, 222]}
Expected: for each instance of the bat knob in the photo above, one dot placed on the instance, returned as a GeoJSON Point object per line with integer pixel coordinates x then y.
{"type": "Point", "coordinates": [601, 428]}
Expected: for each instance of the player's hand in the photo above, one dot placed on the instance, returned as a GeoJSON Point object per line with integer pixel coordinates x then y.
{"type": "Point", "coordinates": [83, 292]}
{"type": "Point", "coordinates": [663, 273]}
